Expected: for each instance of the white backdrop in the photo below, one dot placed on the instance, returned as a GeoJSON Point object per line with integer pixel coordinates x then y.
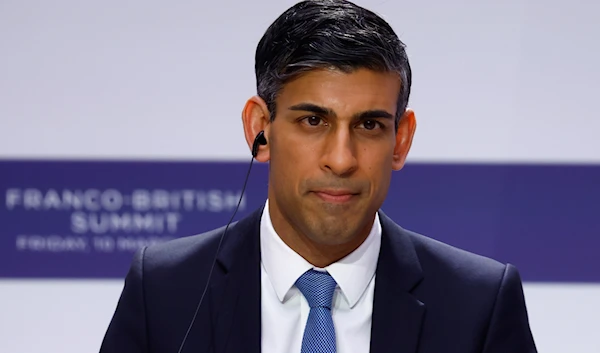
{"type": "Point", "coordinates": [510, 81]}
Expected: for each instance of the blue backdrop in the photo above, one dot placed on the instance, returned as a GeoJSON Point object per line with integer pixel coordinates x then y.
{"type": "Point", "coordinates": [83, 219]}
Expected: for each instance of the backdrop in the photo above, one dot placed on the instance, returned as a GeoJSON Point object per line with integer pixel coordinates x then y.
{"type": "Point", "coordinates": [120, 127]}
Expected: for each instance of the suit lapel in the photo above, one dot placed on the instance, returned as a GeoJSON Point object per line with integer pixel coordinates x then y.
{"type": "Point", "coordinates": [235, 295]}
{"type": "Point", "coordinates": [397, 314]}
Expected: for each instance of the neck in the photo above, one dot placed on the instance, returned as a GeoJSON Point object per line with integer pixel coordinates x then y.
{"type": "Point", "coordinates": [317, 254]}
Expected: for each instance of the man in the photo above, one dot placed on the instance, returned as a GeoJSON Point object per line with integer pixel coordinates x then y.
{"type": "Point", "coordinates": [321, 268]}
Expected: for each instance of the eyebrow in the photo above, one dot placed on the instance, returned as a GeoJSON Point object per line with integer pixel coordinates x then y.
{"type": "Point", "coordinates": [368, 114]}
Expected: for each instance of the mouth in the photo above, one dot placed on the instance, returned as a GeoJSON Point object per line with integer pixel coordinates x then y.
{"type": "Point", "coordinates": [335, 196]}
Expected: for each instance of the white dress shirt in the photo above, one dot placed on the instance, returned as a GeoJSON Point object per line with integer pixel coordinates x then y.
{"type": "Point", "coordinates": [284, 309]}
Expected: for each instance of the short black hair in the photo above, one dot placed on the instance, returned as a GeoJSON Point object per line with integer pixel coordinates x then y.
{"type": "Point", "coordinates": [328, 34]}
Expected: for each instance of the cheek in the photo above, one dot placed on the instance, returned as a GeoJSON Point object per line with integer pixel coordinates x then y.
{"type": "Point", "coordinates": [379, 171]}
{"type": "Point", "coordinates": [287, 166]}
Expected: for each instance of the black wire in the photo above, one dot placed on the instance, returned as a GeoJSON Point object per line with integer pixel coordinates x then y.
{"type": "Point", "coordinates": [215, 260]}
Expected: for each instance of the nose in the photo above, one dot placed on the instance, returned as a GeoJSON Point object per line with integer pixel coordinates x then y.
{"type": "Point", "coordinates": [339, 155]}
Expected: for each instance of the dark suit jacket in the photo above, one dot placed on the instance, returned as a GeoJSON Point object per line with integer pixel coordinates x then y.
{"type": "Point", "coordinates": [429, 297]}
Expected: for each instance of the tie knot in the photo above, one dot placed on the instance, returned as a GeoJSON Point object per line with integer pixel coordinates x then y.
{"type": "Point", "coordinates": [317, 287]}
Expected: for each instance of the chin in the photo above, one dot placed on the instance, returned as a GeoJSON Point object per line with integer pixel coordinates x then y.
{"type": "Point", "coordinates": [333, 233]}
{"type": "Point", "coordinates": [331, 241]}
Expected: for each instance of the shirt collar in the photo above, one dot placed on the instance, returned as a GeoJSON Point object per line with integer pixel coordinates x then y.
{"type": "Point", "coordinates": [352, 273]}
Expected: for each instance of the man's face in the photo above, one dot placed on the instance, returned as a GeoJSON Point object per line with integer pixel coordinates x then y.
{"type": "Point", "coordinates": [333, 146]}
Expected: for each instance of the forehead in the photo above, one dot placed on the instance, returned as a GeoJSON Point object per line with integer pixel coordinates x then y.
{"type": "Point", "coordinates": [343, 92]}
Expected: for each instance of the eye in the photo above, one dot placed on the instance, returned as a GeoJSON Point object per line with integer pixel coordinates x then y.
{"type": "Point", "coordinates": [313, 120]}
{"type": "Point", "coordinates": [370, 124]}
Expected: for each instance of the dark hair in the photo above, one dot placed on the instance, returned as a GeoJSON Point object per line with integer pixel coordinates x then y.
{"type": "Point", "coordinates": [328, 33]}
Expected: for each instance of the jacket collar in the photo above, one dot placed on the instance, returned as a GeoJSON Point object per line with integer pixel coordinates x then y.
{"type": "Point", "coordinates": [397, 314]}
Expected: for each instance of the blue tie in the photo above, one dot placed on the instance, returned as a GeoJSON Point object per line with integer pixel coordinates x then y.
{"type": "Point", "coordinates": [319, 334]}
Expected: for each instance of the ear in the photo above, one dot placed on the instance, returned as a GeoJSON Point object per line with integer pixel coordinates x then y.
{"type": "Point", "coordinates": [256, 118]}
{"type": "Point", "coordinates": [404, 137]}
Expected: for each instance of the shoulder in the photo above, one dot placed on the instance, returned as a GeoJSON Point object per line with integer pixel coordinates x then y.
{"type": "Point", "coordinates": [443, 267]}
{"type": "Point", "coordinates": [456, 278]}
{"type": "Point", "coordinates": [180, 251]}
{"type": "Point", "coordinates": [440, 260]}
{"type": "Point", "coordinates": [483, 295]}
{"type": "Point", "coordinates": [196, 253]}
{"type": "Point", "coordinates": [460, 284]}
{"type": "Point", "coordinates": [443, 259]}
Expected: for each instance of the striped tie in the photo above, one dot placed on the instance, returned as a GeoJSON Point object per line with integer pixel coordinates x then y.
{"type": "Point", "coordinates": [319, 334]}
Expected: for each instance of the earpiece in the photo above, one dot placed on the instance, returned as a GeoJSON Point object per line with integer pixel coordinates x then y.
{"type": "Point", "coordinates": [259, 140]}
